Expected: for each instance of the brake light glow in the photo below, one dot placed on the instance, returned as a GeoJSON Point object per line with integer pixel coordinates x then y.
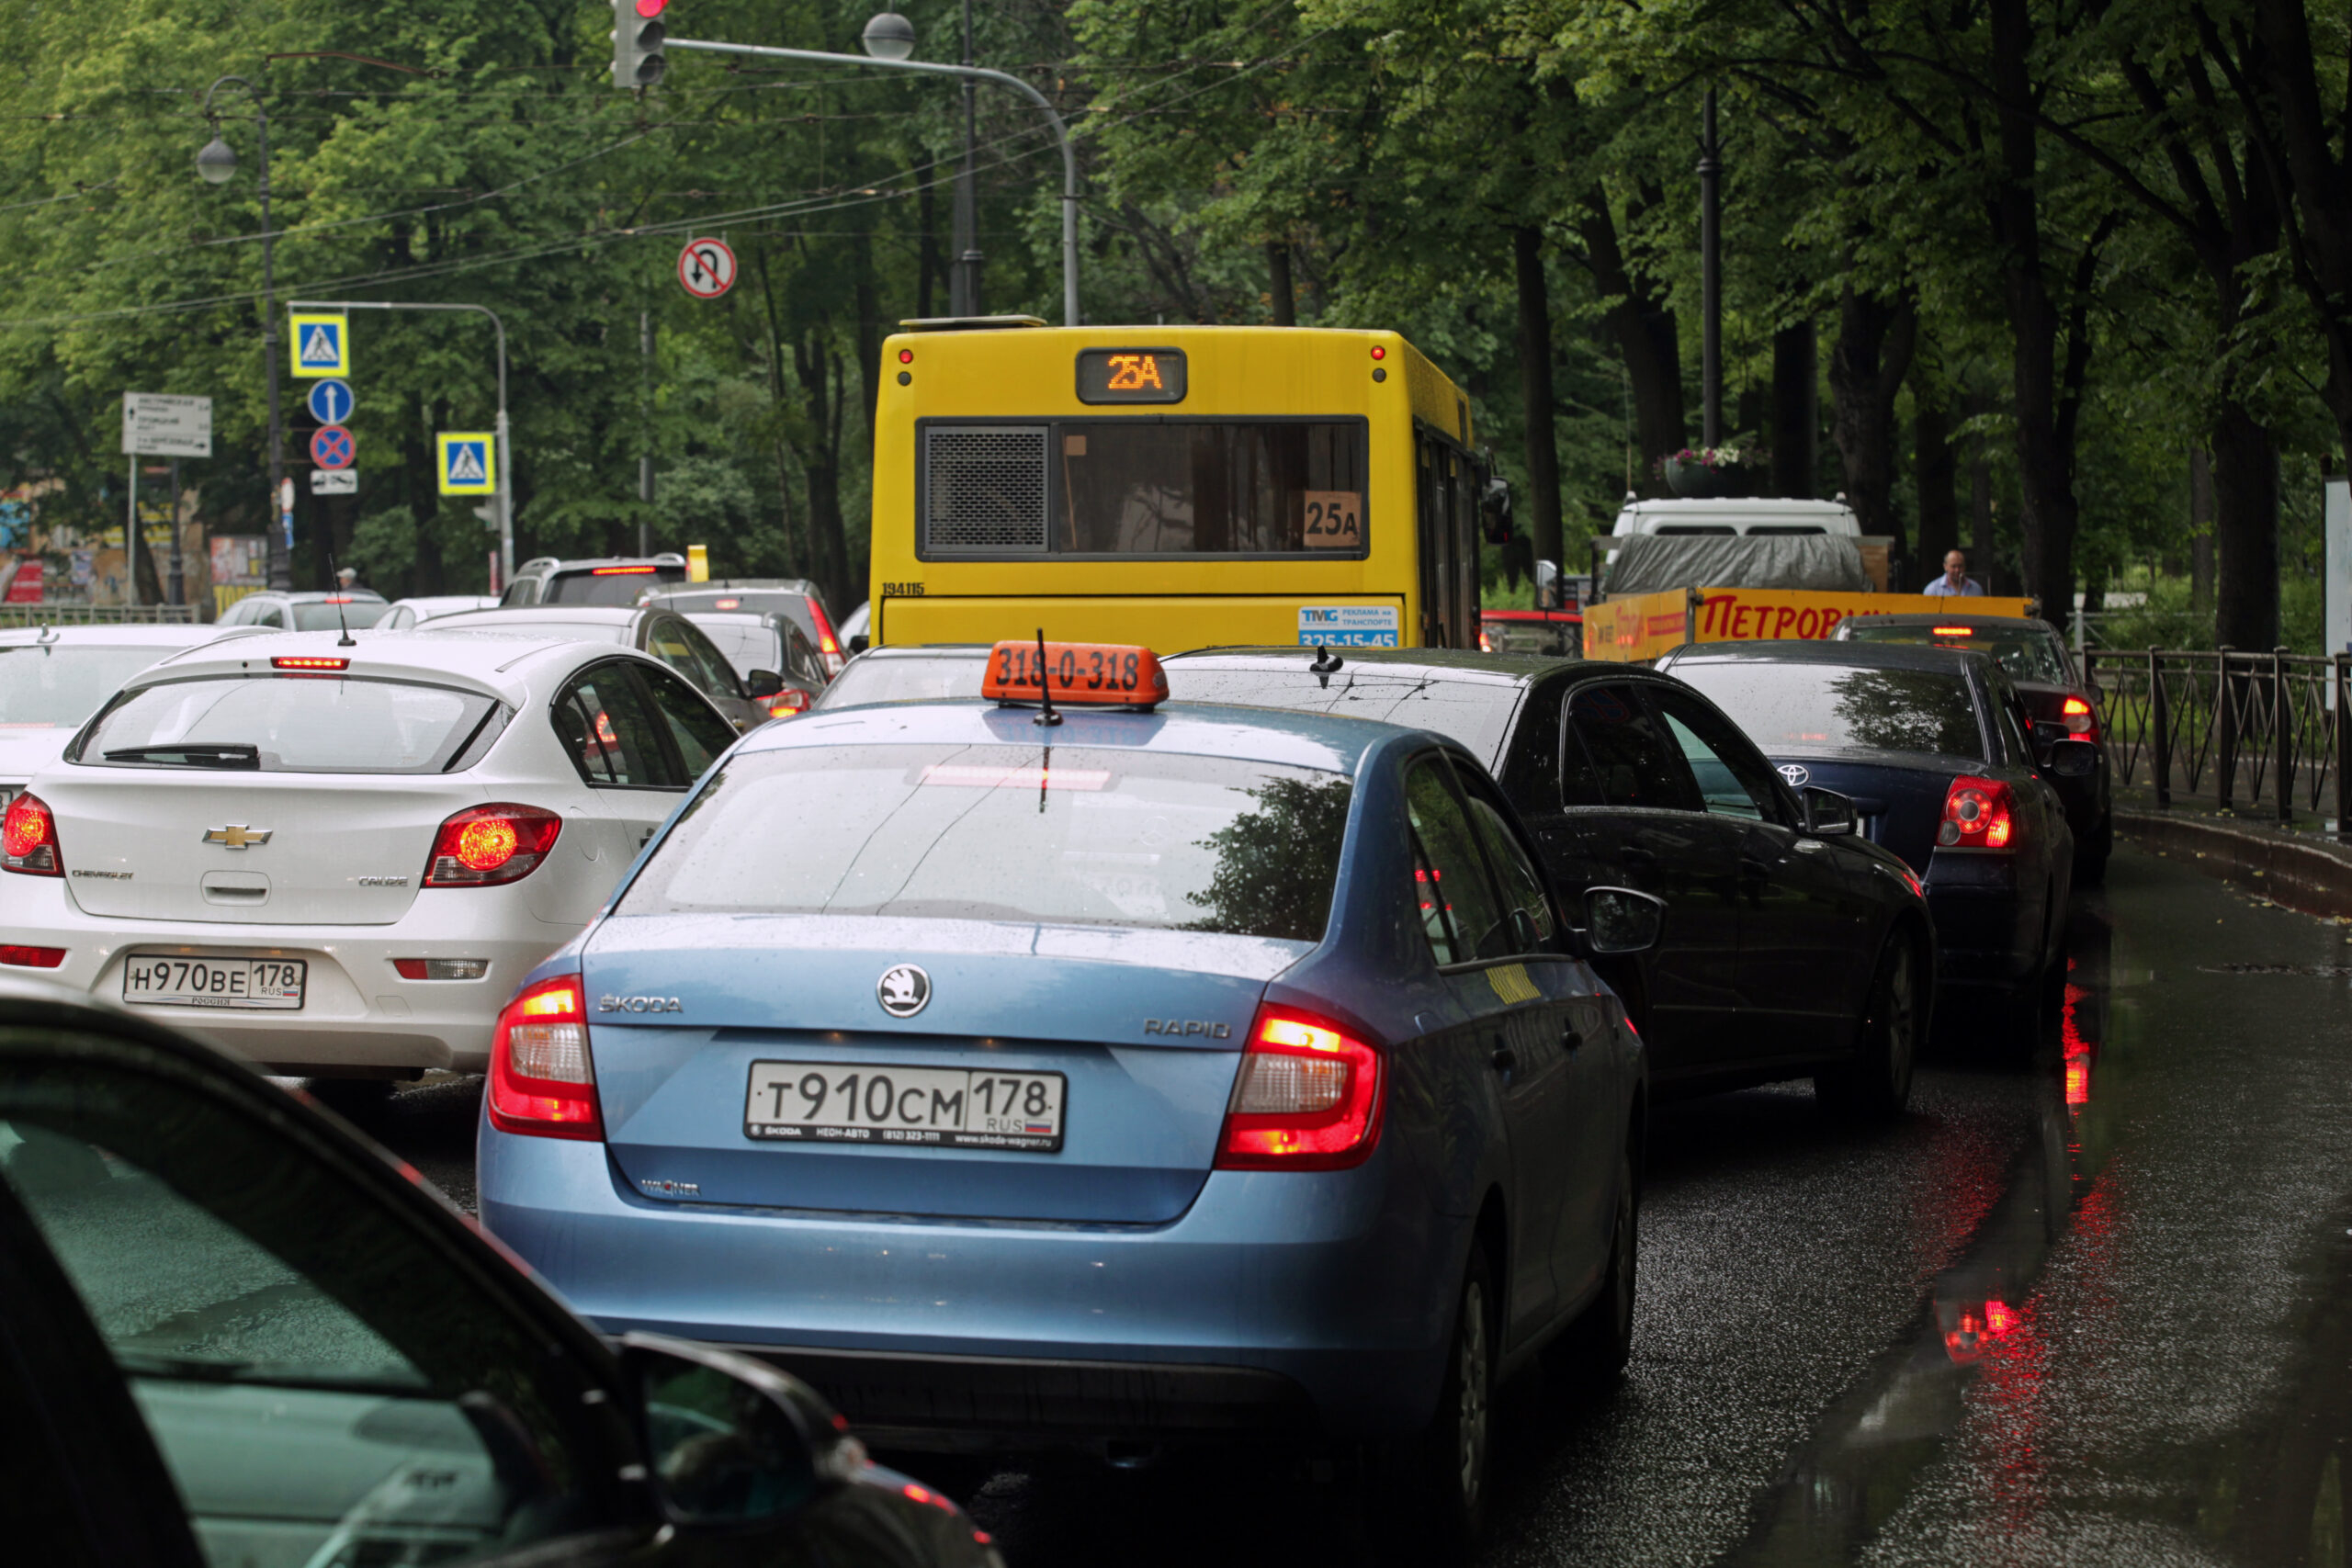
{"type": "Point", "coordinates": [1308, 1096]}
{"type": "Point", "coordinates": [542, 1080]}
{"type": "Point", "coordinates": [790, 703]}
{"type": "Point", "coordinates": [485, 846]}
{"type": "Point", "coordinates": [301, 662]}
{"type": "Point", "coordinates": [916, 1492]}
{"type": "Point", "coordinates": [1999, 1318]}
{"type": "Point", "coordinates": [31, 957]}
{"type": "Point", "coordinates": [2080, 720]}
{"type": "Point", "coordinates": [621, 570]}
{"type": "Point", "coordinates": [1978, 815]}
{"type": "Point", "coordinates": [338, 599]}
{"type": "Point", "coordinates": [726, 603]}
{"type": "Point", "coordinates": [28, 838]}
{"type": "Point", "coordinates": [1955, 631]}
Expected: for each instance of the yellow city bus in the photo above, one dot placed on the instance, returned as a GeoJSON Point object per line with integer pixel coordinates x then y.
{"type": "Point", "coordinates": [1178, 486]}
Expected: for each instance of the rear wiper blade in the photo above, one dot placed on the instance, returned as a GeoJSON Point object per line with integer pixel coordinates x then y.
{"type": "Point", "coordinates": [235, 754]}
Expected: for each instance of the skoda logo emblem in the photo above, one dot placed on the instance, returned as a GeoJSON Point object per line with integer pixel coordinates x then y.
{"type": "Point", "coordinates": [904, 990]}
{"type": "Point", "coordinates": [1796, 773]}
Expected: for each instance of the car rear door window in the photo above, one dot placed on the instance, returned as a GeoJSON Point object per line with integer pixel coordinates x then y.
{"type": "Point", "coordinates": [700, 734]}
{"type": "Point", "coordinates": [718, 676]}
{"type": "Point", "coordinates": [1461, 912]}
{"type": "Point", "coordinates": [1635, 759]}
{"type": "Point", "coordinates": [1521, 884]}
{"type": "Point", "coordinates": [1733, 781]}
{"type": "Point", "coordinates": [608, 728]}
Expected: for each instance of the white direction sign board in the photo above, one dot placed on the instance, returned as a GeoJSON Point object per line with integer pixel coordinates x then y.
{"type": "Point", "coordinates": [706, 268]}
{"type": "Point", "coordinates": [335, 481]}
{"type": "Point", "coordinates": [164, 424]}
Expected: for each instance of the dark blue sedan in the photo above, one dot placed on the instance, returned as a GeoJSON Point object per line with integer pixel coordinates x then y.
{"type": "Point", "coordinates": [1150, 1072]}
{"type": "Point", "coordinates": [1931, 747]}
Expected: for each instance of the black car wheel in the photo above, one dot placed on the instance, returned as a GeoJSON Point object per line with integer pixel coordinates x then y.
{"type": "Point", "coordinates": [1877, 1083]}
{"type": "Point", "coordinates": [1447, 1464]}
{"type": "Point", "coordinates": [1592, 1352]}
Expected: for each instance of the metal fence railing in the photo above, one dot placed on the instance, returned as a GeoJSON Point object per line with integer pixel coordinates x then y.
{"type": "Point", "coordinates": [97, 614]}
{"type": "Point", "coordinates": [2258, 733]}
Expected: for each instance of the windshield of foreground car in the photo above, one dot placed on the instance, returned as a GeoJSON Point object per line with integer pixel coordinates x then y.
{"type": "Point", "coordinates": [1062, 836]}
{"type": "Point", "coordinates": [294, 724]}
{"type": "Point", "coordinates": [1812, 708]}
{"type": "Point", "coordinates": [2035, 657]}
{"type": "Point", "coordinates": [57, 685]}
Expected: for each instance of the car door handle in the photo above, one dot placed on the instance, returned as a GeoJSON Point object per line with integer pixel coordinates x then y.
{"type": "Point", "coordinates": [1505, 1060]}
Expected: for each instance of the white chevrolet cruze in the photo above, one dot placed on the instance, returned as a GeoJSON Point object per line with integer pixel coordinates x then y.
{"type": "Point", "coordinates": [338, 858]}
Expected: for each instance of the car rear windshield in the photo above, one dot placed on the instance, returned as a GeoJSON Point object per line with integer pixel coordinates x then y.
{"type": "Point", "coordinates": [1813, 708]}
{"type": "Point", "coordinates": [793, 607]}
{"type": "Point", "coordinates": [2034, 657]}
{"type": "Point", "coordinates": [326, 615]}
{"type": "Point", "coordinates": [1070, 836]}
{"type": "Point", "coordinates": [915, 680]}
{"type": "Point", "coordinates": [294, 724]}
{"type": "Point", "coordinates": [1477, 713]}
{"type": "Point", "coordinates": [592, 587]}
{"type": "Point", "coordinates": [60, 685]}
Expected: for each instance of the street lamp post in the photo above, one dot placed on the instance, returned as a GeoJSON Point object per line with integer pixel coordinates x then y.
{"type": "Point", "coordinates": [890, 40]}
{"type": "Point", "coordinates": [216, 162]}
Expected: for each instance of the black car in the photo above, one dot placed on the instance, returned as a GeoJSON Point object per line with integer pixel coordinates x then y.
{"type": "Point", "coordinates": [232, 1331]}
{"type": "Point", "coordinates": [1791, 946]}
{"type": "Point", "coordinates": [2059, 703]}
{"type": "Point", "coordinates": [1930, 746]}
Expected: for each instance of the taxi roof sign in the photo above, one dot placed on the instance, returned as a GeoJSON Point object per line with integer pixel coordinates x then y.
{"type": "Point", "coordinates": [1074, 674]}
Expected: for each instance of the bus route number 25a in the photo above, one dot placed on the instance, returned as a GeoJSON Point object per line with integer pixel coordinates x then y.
{"type": "Point", "coordinates": [1334, 519]}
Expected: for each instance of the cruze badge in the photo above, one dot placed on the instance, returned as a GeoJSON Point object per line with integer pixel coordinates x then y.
{"type": "Point", "coordinates": [237, 836]}
{"type": "Point", "coordinates": [639, 1004]}
{"type": "Point", "coordinates": [904, 990]}
{"type": "Point", "coordinates": [1797, 774]}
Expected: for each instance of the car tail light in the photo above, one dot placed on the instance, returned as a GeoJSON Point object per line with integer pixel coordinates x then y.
{"type": "Point", "coordinates": [31, 957]}
{"type": "Point", "coordinates": [488, 845]}
{"type": "Point", "coordinates": [621, 570]}
{"type": "Point", "coordinates": [1307, 1097]}
{"type": "Point", "coordinates": [2081, 722]}
{"type": "Point", "coordinates": [827, 643]}
{"type": "Point", "coordinates": [28, 838]}
{"type": "Point", "coordinates": [790, 702]}
{"type": "Point", "coordinates": [542, 1081]}
{"type": "Point", "coordinates": [441, 968]}
{"type": "Point", "coordinates": [1978, 815]}
{"type": "Point", "coordinates": [300, 661]}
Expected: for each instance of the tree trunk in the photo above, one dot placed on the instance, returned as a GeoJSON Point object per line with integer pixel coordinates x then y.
{"type": "Point", "coordinates": [1280, 296]}
{"type": "Point", "coordinates": [1935, 467]}
{"type": "Point", "coordinates": [1641, 320]}
{"type": "Point", "coordinates": [867, 296]}
{"type": "Point", "coordinates": [1796, 410]}
{"type": "Point", "coordinates": [1535, 395]}
{"type": "Point", "coordinates": [2308, 147]}
{"type": "Point", "coordinates": [2200, 528]}
{"type": "Point", "coordinates": [2246, 530]}
{"type": "Point", "coordinates": [929, 267]}
{"type": "Point", "coordinates": [1875, 338]}
{"type": "Point", "coordinates": [1984, 538]}
{"type": "Point", "coordinates": [819, 368]}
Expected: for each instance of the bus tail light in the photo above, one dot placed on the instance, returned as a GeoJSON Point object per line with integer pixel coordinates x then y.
{"type": "Point", "coordinates": [1308, 1096]}
{"type": "Point", "coordinates": [542, 1080]}
{"type": "Point", "coordinates": [1979, 814]}
{"type": "Point", "coordinates": [28, 838]}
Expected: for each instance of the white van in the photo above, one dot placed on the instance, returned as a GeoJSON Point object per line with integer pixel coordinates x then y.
{"type": "Point", "coordinates": [1754, 517]}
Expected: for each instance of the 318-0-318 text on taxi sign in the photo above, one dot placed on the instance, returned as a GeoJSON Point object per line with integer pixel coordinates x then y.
{"type": "Point", "coordinates": [1644, 626]}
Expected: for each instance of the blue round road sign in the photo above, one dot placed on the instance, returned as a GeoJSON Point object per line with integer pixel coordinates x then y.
{"type": "Point", "coordinates": [332, 447]}
{"type": "Point", "coordinates": [332, 401]}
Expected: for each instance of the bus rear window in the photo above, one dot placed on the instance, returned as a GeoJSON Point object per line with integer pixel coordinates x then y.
{"type": "Point", "coordinates": [1146, 487]}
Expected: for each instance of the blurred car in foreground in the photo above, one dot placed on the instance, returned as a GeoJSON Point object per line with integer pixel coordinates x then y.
{"type": "Point", "coordinates": [662, 634]}
{"type": "Point", "coordinates": [801, 600]}
{"type": "Point", "coordinates": [341, 860]}
{"type": "Point", "coordinates": [1929, 745]}
{"type": "Point", "coordinates": [754, 642]}
{"type": "Point", "coordinates": [407, 613]}
{"type": "Point", "coordinates": [1149, 1074]}
{"type": "Point", "coordinates": [1791, 946]}
{"type": "Point", "coordinates": [2058, 701]}
{"type": "Point", "coordinates": [53, 678]}
{"type": "Point", "coordinates": [232, 1333]}
{"type": "Point", "coordinates": [356, 608]}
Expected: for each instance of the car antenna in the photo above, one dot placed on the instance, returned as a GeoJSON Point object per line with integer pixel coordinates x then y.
{"type": "Point", "coordinates": [1326, 662]}
{"type": "Point", "coordinates": [337, 601]}
{"type": "Point", "coordinates": [1045, 686]}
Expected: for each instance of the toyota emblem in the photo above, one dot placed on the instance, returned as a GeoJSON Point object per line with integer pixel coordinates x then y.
{"type": "Point", "coordinates": [904, 990]}
{"type": "Point", "coordinates": [1797, 774]}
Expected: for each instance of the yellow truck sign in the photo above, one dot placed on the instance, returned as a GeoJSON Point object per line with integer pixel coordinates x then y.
{"type": "Point", "coordinates": [1643, 625]}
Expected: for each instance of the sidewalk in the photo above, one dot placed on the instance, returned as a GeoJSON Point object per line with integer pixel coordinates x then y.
{"type": "Point", "coordinates": [2304, 867]}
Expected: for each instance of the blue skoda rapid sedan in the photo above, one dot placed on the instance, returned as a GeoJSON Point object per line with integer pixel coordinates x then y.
{"type": "Point", "coordinates": [1095, 1075]}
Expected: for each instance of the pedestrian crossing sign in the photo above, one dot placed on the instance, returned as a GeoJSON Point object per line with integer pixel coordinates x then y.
{"type": "Point", "coordinates": [322, 345]}
{"type": "Point", "coordinates": [468, 463]}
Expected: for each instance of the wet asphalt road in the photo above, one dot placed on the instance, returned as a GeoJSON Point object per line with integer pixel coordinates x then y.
{"type": "Point", "coordinates": [2094, 1306]}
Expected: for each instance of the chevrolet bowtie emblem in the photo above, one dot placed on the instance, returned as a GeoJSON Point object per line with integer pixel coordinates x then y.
{"type": "Point", "coordinates": [237, 836]}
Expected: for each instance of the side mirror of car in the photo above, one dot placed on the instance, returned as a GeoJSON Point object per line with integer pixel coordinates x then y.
{"type": "Point", "coordinates": [1621, 920]}
{"type": "Point", "coordinates": [725, 1440]}
{"type": "Point", "coordinates": [762, 684]}
{"type": "Point", "coordinates": [860, 643]}
{"type": "Point", "coordinates": [1828, 814]}
{"type": "Point", "coordinates": [2072, 759]}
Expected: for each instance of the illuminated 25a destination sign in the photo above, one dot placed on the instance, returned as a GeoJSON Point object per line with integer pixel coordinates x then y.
{"type": "Point", "coordinates": [1131, 375]}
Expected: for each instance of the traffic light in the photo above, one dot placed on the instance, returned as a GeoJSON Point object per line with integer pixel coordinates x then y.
{"type": "Point", "coordinates": [637, 33]}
